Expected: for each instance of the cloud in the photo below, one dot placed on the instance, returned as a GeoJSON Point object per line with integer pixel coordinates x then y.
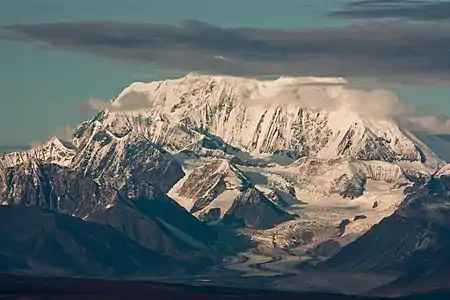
{"type": "Point", "coordinates": [64, 132]}
{"type": "Point", "coordinates": [416, 10]}
{"type": "Point", "coordinates": [370, 103]}
{"type": "Point", "coordinates": [399, 52]}
{"type": "Point", "coordinates": [431, 123]}
{"type": "Point", "coordinates": [130, 101]}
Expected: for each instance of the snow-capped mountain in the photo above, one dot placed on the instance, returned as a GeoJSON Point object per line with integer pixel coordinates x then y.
{"type": "Point", "coordinates": [51, 187]}
{"type": "Point", "coordinates": [53, 151]}
{"type": "Point", "coordinates": [110, 159]}
{"type": "Point", "coordinates": [259, 117]}
{"type": "Point", "coordinates": [349, 178]}
{"type": "Point", "coordinates": [235, 150]}
{"type": "Point", "coordinates": [140, 210]}
{"type": "Point", "coordinates": [290, 163]}
{"type": "Point", "coordinates": [219, 191]}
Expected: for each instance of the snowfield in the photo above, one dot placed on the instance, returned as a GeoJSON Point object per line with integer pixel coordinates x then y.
{"type": "Point", "coordinates": [295, 157]}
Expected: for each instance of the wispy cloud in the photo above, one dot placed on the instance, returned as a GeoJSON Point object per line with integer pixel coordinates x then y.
{"type": "Point", "coordinates": [399, 52]}
{"type": "Point", "coordinates": [130, 101]}
{"type": "Point", "coordinates": [417, 10]}
{"type": "Point", "coordinates": [64, 132]}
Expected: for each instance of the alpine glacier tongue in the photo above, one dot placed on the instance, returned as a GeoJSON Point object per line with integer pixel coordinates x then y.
{"type": "Point", "coordinates": [260, 117]}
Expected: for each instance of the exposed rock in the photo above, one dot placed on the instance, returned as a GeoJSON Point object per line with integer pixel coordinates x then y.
{"type": "Point", "coordinates": [41, 242]}
{"type": "Point", "coordinates": [141, 211]}
{"type": "Point", "coordinates": [327, 248]}
{"type": "Point", "coordinates": [413, 240]}
{"type": "Point", "coordinates": [343, 224]}
{"type": "Point", "coordinates": [252, 209]}
{"type": "Point", "coordinates": [359, 217]}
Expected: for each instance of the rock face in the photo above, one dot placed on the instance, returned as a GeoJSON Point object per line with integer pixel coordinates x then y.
{"type": "Point", "coordinates": [253, 210]}
{"type": "Point", "coordinates": [414, 240]}
{"type": "Point", "coordinates": [244, 114]}
{"type": "Point", "coordinates": [146, 215]}
{"type": "Point", "coordinates": [140, 210]}
{"type": "Point", "coordinates": [111, 159]}
{"type": "Point", "coordinates": [239, 120]}
{"type": "Point", "coordinates": [53, 151]}
{"type": "Point", "coordinates": [206, 183]}
{"type": "Point", "coordinates": [227, 151]}
{"type": "Point", "coordinates": [42, 242]}
{"type": "Point", "coordinates": [218, 190]}
{"type": "Point", "coordinates": [51, 187]}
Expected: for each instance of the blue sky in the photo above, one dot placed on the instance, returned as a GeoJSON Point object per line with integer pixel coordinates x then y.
{"type": "Point", "coordinates": [43, 88]}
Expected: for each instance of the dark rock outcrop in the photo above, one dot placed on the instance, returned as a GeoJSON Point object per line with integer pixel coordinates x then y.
{"type": "Point", "coordinates": [252, 209]}
{"type": "Point", "coordinates": [42, 242]}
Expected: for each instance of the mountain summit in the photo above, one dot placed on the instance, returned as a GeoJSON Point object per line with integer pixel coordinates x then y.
{"type": "Point", "coordinates": [299, 116]}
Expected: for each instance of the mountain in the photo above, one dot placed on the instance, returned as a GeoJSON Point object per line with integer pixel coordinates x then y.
{"type": "Point", "coordinates": [291, 163]}
{"type": "Point", "coordinates": [53, 151]}
{"type": "Point", "coordinates": [42, 242]}
{"type": "Point", "coordinates": [218, 191]}
{"type": "Point", "coordinates": [52, 187]}
{"type": "Point", "coordinates": [271, 136]}
{"type": "Point", "coordinates": [263, 123]}
{"type": "Point", "coordinates": [140, 210]}
{"type": "Point", "coordinates": [110, 159]}
{"type": "Point", "coordinates": [148, 216]}
{"type": "Point", "coordinates": [350, 178]}
{"type": "Point", "coordinates": [413, 241]}
{"type": "Point", "coordinates": [243, 113]}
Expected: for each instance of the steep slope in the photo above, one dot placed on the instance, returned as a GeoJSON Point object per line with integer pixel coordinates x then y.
{"type": "Point", "coordinates": [40, 242]}
{"type": "Point", "coordinates": [139, 209]}
{"type": "Point", "coordinates": [148, 216]}
{"type": "Point", "coordinates": [244, 114]}
{"type": "Point", "coordinates": [110, 159]}
{"type": "Point", "coordinates": [218, 190]}
{"type": "Point", "coordinates": [253, 210]}
{"type": "Point", "coordinates": [51, 187]}
{"type": "Point", "coordinates": [414, 240]}
{"type": "Point", "coordinates": [53, 151]}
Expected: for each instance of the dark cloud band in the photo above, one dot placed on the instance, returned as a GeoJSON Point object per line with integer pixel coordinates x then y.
{"type": "Point", "coordinates": [418, 10]}
{"type": "Point", "coordinates": [398, 51]}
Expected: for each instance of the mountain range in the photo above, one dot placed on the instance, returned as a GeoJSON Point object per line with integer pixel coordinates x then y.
{"type": "Point", "coordinates": [173, 166]}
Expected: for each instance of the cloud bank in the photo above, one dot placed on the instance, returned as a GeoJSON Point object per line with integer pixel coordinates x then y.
{"type": "Point", "coordinates": [416, 10]}
{"type": "Point", "coordinates": [400, 52]}
{"type": "Point", "coordinates": [374, 103]}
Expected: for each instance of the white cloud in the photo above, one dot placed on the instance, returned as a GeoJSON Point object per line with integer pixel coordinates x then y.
{"type": "Point", "coordinates": [431, 123]}
{"type": "Point", "coordinates": [129, 102]}
{"type": "Point", "coordinates": [377, 103]}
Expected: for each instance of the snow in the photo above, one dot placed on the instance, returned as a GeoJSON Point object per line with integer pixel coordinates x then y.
{"type": "Point", "coordinates": [53, 151]}
{"type": "Point", "coordinates": [224, 201]}
{"type": "Point", "coordinates": [260, 117]}
{"type": "Point", "coordinates": [298, 134]}
{"type": "Point", "coordinates": [444, 171]}
{"type": "Point", "coordinates": [187, 195]}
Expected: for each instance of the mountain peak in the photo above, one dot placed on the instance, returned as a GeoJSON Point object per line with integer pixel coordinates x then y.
{"type": "Point", "coordinates": [307, 116]}
{"type": "Point", "coordinates": [53, 151]}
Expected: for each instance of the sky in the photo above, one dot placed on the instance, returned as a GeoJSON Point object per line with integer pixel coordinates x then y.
{"type": "Point", "coordinates": [57, 54]}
